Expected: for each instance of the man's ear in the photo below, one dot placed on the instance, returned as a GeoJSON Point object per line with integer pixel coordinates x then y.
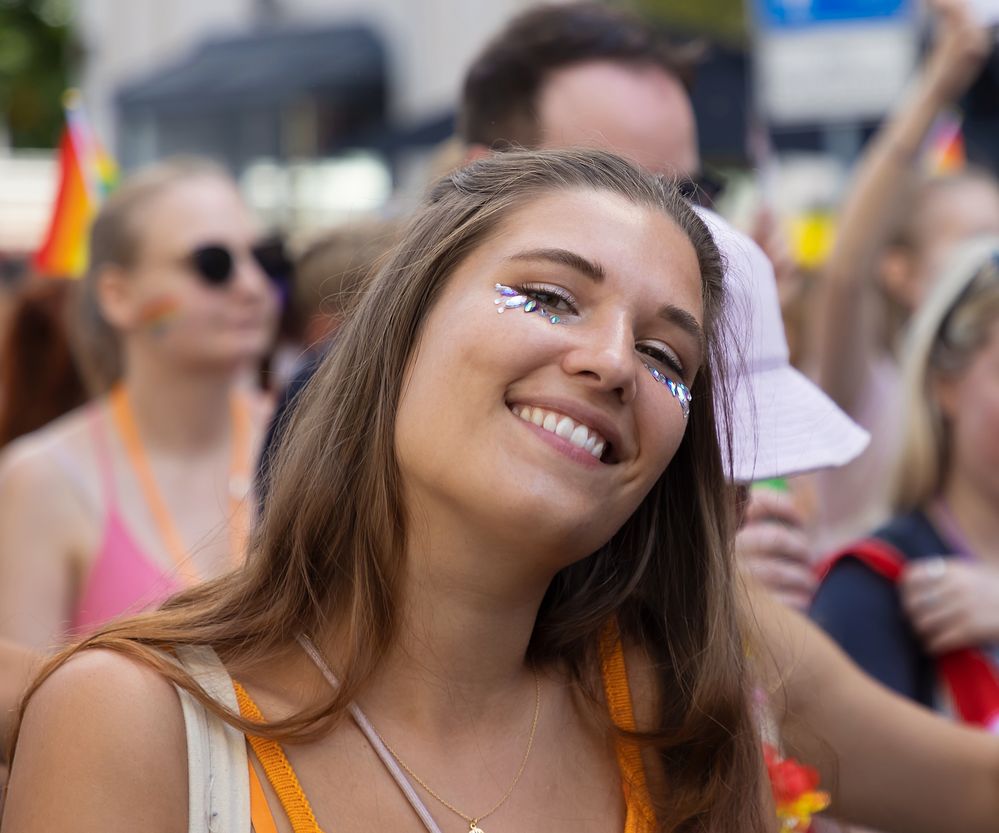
{"type": "Point", "coordinates": [898, 274]}
{"type": "Point", "coordinates": [114, 295]}
{"type": "Point", "coordinates": [474, 152]}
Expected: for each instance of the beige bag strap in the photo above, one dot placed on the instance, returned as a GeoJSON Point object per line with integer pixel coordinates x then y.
{"type": "Point", "coordinates": [218, 777]}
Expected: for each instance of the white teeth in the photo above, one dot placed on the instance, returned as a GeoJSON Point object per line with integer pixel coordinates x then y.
{"type": "Point", "coordinates": [564, 428]}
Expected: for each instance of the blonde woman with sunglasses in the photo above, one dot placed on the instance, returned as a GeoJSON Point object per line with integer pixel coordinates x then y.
{"type": "Point", "coordinates": [129, 499]}
{"type": "Point", "coordinates": [917, 604]}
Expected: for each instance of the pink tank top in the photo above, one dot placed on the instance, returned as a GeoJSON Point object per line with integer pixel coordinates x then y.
{"type": "Point", "coordinates": [123, 578]}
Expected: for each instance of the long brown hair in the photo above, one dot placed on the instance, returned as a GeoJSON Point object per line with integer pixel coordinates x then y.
{"type": "Point", "coordinates": [328, 551]}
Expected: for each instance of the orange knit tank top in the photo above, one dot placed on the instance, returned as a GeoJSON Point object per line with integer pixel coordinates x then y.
{"type": "Point", "coordinates": [639, 816]}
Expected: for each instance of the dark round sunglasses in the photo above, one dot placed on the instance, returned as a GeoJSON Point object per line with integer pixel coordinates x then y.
{"type": "Point", "coordinates": [215, 263]}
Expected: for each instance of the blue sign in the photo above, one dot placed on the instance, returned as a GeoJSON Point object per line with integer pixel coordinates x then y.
{"type": "Point", "coordinates": [781, 14]}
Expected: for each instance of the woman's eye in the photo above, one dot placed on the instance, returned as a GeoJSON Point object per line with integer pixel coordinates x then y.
{"type": "Point", "coordinates": [667, 358]}
{"type": "Point", "coordinates": [551, 298]}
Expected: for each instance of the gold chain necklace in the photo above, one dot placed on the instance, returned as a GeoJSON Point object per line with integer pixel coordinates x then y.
{"type": "Point", "coordinates": [473, 821]}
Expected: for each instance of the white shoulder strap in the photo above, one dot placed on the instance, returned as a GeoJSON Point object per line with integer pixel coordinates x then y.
{"type": "Point", "coordinates": [218, 777]}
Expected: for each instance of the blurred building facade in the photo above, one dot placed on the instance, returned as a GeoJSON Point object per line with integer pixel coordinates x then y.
{"type": "Point", "coordinates": [268, 85]}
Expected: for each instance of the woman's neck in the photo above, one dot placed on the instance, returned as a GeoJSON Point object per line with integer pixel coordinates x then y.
{"type": "Point", "coordinates": [975, 514]}
{"type": "Point", "coordinates": [467, 617]}
{"type": "Point", "coordinates": [177, 409]}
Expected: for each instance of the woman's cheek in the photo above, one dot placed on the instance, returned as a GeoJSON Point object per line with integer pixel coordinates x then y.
{"type": "Point", "coordinates": [160, 315]}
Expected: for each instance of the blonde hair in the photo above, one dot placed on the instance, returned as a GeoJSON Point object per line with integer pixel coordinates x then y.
{"type": "Point", "coordinates": [953, 323]}
{"type": "Point", "coordinates": [116, 239]}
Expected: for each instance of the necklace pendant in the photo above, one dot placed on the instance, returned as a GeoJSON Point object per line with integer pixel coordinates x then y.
{"type": "Point", "coordinates": [474, 828]}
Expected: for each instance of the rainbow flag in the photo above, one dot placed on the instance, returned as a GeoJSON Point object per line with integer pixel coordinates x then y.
{"type": "Point", "coordinates": [944, 149]}
{"type": "Point", "coordinates": [86, 175]}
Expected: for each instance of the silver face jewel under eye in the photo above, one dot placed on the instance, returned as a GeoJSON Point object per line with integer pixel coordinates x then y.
{"type": "Point", "coordinates": [510, 298]}
{"type": "Point", "coordinates": [679, 391]}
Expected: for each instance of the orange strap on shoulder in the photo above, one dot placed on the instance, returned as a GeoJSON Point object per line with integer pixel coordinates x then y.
{"type": "Point", "coordinates": [261, 818]}
{"type": "Point", "coordinates": [641, 816]}
{"type": "Point", "coordinates": [128, 431]}
{"type": "Point", "coordinates": [239, 481]}
{"type": "Point", "coordinates": [278, 771]}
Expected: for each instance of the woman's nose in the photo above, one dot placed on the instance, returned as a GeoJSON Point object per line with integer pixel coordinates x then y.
{"type": "Point", "coordinates": [604, 354]}
{"type": "Point", "coordinates": [250, 275]}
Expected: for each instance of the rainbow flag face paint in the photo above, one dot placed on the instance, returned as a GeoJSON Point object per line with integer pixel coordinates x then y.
{"type": "Point", "coordinates": [158, 314]}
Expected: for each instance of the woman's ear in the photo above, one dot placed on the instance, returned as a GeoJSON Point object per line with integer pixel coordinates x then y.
{"type": "Point", "coordinates": [115, 296]}
{"type": "Point", "coordinates": [899, 277]}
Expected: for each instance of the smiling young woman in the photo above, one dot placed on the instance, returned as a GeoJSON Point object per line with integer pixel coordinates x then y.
{"type": "Point", "coordinates": [505, 601]}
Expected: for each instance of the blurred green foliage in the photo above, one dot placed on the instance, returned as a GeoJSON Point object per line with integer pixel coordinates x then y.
{"type": "Point", "coordinates": [36, 51]}
{"type": "Point", "coordinates": [722, 20]}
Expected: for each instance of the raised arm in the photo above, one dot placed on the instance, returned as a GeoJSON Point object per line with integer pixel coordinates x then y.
{"type": "Point", "coordinates": [888, 763]}
{"type": "Point", "coordinates": [847, 328]}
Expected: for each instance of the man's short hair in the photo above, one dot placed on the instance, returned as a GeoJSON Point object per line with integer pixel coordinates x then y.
{"type": "Point", "coordinates": [501, 87]}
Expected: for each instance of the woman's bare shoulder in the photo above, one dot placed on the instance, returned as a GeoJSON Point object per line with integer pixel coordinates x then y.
{"type": "Point", "coordinates": [102, 748]}
{"type": "Point", "coordinates": [46, 452]}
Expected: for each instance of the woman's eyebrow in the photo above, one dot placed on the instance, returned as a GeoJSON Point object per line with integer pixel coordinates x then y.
{"type": "Point", "coordinates": [685, 321]}
{"type": "Point", "coordinates": [564, 257]}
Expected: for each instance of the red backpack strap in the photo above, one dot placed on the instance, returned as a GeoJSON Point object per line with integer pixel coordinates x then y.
{"type": "Point", "coordinates": [968, 675]}
{"type": "Point", "coordinates": [873, 553]}
{"type": "Point", "coordinates": [971, 680]}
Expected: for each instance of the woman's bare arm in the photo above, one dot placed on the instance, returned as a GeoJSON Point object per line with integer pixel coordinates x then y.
{"type": "Point", "coordinates": [42, 523]}
{"type": "Point", "coordinates": [102, 750]}
{"type": "Point", "coordinates": [847, 328]}
{"type": "Point", "coordinates": [17, 665]}
{"type": "Point", "coordinates": [888, 763]}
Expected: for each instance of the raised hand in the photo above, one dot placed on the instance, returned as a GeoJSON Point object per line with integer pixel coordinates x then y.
{"type": "Point", "coordinates": [772, 546]}
{"type": "Point", "coordinates": [960, 48]}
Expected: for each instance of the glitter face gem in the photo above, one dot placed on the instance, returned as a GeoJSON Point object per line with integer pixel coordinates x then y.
{"type": "Point", "coordinates": [510, 298]}
{"type": "Point", "coordinates": [679, 391]}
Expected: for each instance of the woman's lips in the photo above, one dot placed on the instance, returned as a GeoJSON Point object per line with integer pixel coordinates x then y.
{"type": "Point", "coordinates": [573, 438]}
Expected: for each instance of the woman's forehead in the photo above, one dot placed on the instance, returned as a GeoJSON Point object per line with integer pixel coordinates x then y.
{"type": "Point", "coordinates": [191, 212]}
{"type": "Point", "coordinates": [639, 248]}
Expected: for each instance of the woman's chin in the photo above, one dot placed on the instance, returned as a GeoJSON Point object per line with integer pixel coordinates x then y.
{"type": "Point", "coordinates": [556, 523]}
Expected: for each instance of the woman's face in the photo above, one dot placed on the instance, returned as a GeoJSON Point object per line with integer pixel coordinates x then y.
{"type": "Point", "coordinates": [970, 403]}
{"type": "Point", "coordinates": [625, 285]}
{"type": "Point", "coordinates": [955, 213]}
{"type": "Point", "coordinates": [165, 303]}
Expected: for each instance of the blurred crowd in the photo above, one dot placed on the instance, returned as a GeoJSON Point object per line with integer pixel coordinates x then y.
{"type": "Point", "coordinates": [144, 407]}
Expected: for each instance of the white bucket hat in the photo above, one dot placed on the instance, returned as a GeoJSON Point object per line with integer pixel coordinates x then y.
{"type": "Point", "coordinates": [783, 424]}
